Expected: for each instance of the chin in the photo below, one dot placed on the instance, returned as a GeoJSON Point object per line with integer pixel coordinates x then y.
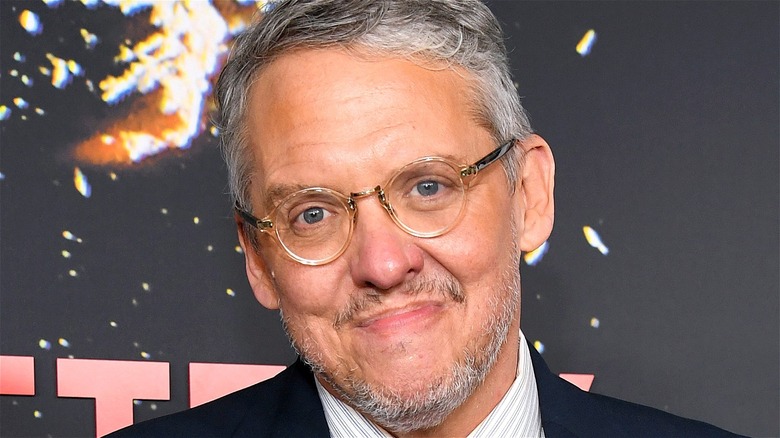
{"type": "Point", "coordinates": [410, 400]}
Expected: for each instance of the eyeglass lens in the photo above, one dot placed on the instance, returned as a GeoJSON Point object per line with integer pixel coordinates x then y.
{"type": "Point", "coordinates": [425, 198]}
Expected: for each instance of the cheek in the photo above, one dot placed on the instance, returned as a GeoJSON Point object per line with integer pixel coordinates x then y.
{"type": "Point", "coordinates": [472, 250]}
{"type": "Point", "coordinates": [310, 294]}
{"type": "Point", "coordinates": [311, 297]}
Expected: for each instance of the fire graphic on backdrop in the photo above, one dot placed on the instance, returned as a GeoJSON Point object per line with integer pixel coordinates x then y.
{"type": "Point", "coordinates": [167, 74]}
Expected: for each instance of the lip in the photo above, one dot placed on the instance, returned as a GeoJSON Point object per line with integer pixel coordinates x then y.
{"type": "Point", "coordinates": [396, 318]}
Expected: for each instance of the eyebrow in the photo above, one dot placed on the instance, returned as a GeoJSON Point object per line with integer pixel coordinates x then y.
{"type": "Point", "coordinates": [277, 192]}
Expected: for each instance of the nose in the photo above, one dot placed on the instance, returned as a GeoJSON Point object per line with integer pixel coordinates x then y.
{"type": "Point", "coordinates": [381, 255]}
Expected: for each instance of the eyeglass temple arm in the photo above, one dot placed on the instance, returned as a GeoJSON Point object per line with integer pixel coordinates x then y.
{"type": "Point", "coordinates": [251, 220]}
{"type": "Point", "coordinates": [488, 159]}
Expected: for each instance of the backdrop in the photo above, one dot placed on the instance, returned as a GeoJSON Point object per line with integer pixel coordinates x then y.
{"type": "Point", "coordinates": [661, 276]}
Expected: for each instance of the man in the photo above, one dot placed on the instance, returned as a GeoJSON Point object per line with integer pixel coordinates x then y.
{"type": "Point", "coordinates": [386, 180]}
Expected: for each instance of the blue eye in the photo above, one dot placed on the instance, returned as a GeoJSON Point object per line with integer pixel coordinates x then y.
{"type": "Point", "coordinates": [427, 188]}
{"type": "Point", "coordinates": [313, 215]}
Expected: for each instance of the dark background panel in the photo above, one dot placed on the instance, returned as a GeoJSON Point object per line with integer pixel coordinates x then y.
{"type": "Point", "coordinates": [666, 142]}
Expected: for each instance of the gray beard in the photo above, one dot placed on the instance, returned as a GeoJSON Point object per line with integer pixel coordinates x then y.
{"type": "Point", "coordinates": [429, 407]}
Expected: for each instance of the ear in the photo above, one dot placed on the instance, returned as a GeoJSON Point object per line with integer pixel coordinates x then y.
{"type": "Point", "coordinates": [535, 188]}
{"type": "Point", "coordinates": [257, 272]}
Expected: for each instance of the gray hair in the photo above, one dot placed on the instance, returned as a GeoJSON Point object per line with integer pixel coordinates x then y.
{"type": "Point", "coordinates": [460, 34]}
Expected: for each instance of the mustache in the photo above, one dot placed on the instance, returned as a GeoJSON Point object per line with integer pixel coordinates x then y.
{"type": "Point", "coordinates": [444, 286]}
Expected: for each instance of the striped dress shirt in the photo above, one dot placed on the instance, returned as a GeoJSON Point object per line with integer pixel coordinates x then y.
{"type": "Point", "coordinates": [516, 415]}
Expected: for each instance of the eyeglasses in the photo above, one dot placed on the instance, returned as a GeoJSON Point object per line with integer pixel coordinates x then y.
{"type": "Point", "coordinates": [425, 198]}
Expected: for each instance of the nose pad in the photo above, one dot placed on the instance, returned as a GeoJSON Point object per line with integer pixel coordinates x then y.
{"type": "Point", "coordinates": [383, 200]}
{"type": "Point", "coordinates": [380, 194]}
{"type": "Point", "coordinates": [384, 255]}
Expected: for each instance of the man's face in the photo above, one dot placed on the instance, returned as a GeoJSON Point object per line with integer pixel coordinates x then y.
{"type": "Point", "coordinates": [395, 315]}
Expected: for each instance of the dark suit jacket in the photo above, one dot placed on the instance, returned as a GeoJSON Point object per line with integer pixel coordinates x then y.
{"type": "Point", "coordinates": [288, 406]}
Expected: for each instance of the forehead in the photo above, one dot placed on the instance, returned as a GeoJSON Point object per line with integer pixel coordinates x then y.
{"type": "Point", "coordinates": [315, 116]}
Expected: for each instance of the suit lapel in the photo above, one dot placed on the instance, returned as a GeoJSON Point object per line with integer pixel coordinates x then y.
{"type": "Point", "coordinates": [557, 399]}
{"type": "Point", "coordinates": [289, 408]}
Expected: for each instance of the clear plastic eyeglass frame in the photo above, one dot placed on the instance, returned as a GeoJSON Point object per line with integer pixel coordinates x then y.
{"type": "Point", "coordinates": [465, 173]}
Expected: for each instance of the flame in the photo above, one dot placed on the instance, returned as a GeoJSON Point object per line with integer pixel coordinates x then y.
{"type": "Point", "coordinates": [168, 75]}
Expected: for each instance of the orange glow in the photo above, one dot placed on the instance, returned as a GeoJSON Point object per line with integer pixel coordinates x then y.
{"type": "Point", "coordinates": [168, 77]}
{"type": "Point", "coordinates": [115, 144]}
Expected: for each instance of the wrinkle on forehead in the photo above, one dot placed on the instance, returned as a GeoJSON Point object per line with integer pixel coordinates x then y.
{"type": "Point", "coordinates": [317, 116]}
{"type": "Point", "coordinates": [320, 74]}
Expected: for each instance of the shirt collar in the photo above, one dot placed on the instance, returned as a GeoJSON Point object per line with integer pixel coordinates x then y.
{"type": "Point", "coordinates": [517, 414]}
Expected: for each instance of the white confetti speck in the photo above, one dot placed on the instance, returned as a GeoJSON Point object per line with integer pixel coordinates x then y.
{"type": "Point", "coordinates": [586, 43]}
{"type": "Point", "coordinates": [113, 324]}
{"type": "Point", "coordinates": [533, 257]}
{"type": "Point", "coordinates": [30, 22]}
{"type": "Point", "coordinates": [594, 322]}
{"type": "Point", "coordinates": [81, 183]}
{"type": "Point", "coordinates": [145, 286]}
{"type": "Point", "coordinates": [210, 248]}
{"type": "Point", "coordinates": [73, 273]}
{"type": "Point", "coordinates": [196, 220]}
{"type": "Point", "coordinates": [90, 39]}
{"type": "Point", "coordinates": [21, 103]}
{"type": "Point", "coordinates": [63, 71]}
{"type": "Point", "coordinates": [75, 68]}
{"type": "Point", "coordinates": [164, 210]}
{"type": "Point", "coordinates": [594, 239]}
{"type": "Point", "coordinates": [68, 235]}
{"type": "Point", "coordinates": [66, 254]}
